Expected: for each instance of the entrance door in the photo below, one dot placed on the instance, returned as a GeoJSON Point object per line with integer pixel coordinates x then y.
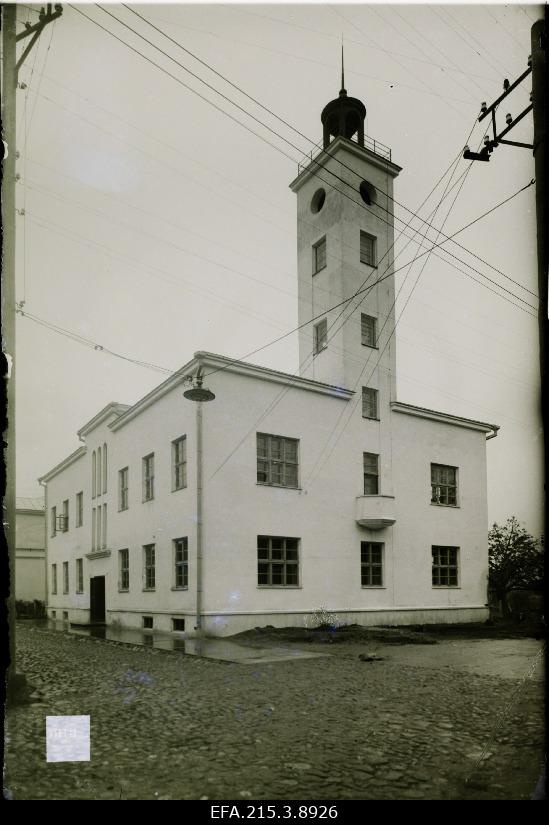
{"type": "Point", "coordinates": [97, 600]}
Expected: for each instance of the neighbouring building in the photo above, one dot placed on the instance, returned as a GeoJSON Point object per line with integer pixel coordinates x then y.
{"type": "Point", "coordinates": [285, 493]}
{"type": "Point", "coordinates": [30, 550]}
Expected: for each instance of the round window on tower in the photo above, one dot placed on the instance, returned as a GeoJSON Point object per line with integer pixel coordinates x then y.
{"type": "Point", "coordinates": [368, 193]}
{"type": "Point", "coordinates": [317, 201]}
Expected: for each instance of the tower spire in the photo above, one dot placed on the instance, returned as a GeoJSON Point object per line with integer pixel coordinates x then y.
{"type": "Point", "coordinates": [343, 90]}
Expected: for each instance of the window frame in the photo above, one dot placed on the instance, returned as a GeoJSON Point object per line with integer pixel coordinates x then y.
{"type": "Point", "coordinates": [448, 567]}
{"type": "Point", "coordinates": [148, 477]}
{"type": "Point", "coordinates": [373, 239]}
{"type": "Point", "coordinates": [123, 491]}
{"type": "Point", "coordinates": [178, 629]}
{"type": "Point", "coordinates": [370, 474]}
{"type": "Point", "coordinates": [445, 486]}
{"type": "Point", "coordinates": [367, 566]}
{"type": "Point", "coordinates": [363, 316]}
{"type": "Point", "coordinates": [147, 619]}
{"type": "Point", "coordinates": [79, 516]}
{"type": "Point", "coordinates": [315, 247]}
{"type": "Point", "coordinates": [54, 579]}
{"type": "Point", "coordinates": [148, 567]}
{"type": "Point", "coordinates": [179, 465]}
{"type": "Point", "coordinates": [65, 516]}
{"type": "Point", "coordinates": [278, 563]}
{"type": "Point", "coordinates": [53, 525]}
{"type": "Point", "coordinates": [181, 566]}
{"type": "Point", "coordinates": [80, 575]}
{"type": "Point", "coordinates": [66, 581]}
{"type": "Point", "coordinates": [375, 397]}
{"type": "Point", "coordinates": [270, 463]}
{"type": "Point", "coordinates": [320, 342]}
{"type": "Point", "coordinates": [124, 570]}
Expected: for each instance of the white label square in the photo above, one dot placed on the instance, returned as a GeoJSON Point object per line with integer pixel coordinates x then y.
{"type": "Point", "coordinates": [67, 738]}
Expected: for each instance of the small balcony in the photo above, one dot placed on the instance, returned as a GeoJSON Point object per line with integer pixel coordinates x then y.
{"type": "Point", "coordinates": [375, 512]}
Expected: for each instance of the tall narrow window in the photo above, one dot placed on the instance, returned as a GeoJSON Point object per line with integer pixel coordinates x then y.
{"type": "Point", "coordinates": [369, 403]}
{"type": "Point", "coordinates": [98, 528]}
{"type": "Point", "coordinates": [367, 249]}
{"type": "Point", "coordinates": [65, 517]}
{"type": "Point", "coordinates": [65, 577]}
{"type": "Point", "coordinates": [54, 579]}
{"type": "Point", "coordinates": [94, 472]}
{"type": "Point", "coordinates": [371, 474]}
{"type": "Point", "coordinates": [94, 527]}
{"type": "Point", "coordinates": [371, 564]}
{"type": "Point", "coordinates": [79, 509]}
{"type": "Point", "coordinates": [99, 473]}
{"type": "Point", "coordinates": [104, 541]}
{"type": "Point", "coordinates": [443, 485]}
{"type": "Point", "coordinates": [368, 330]}
{"type": "Point", "coordinates": [445, 566]}
{"type": "Point", "coordinates": [149, 574]}
{"type": "Point", "coordinates": [148, 477]}
{"type": "Point", "coordinates": [104, 468]}
{"type": "Point", "coordinates": [79, 575]}
{"type": "Point", "coordinates": [181, 562]}
{"type": "Point", "coordinates": [53, 518]}
{"type": "Point", "coordinates": [277, 561]}
{"type": "Point", "coordinates": [123, 494]}
{"type": "Point", "coordinates": [179, 463]}
{"type": "Point", "coordinates": [277, 460]}
{"type": "Point", "coordinates": [320, 336]}
{"type": "Point", "coordinates": [319, 255]}
{"type": "Point", "coordinates": [124, 569]}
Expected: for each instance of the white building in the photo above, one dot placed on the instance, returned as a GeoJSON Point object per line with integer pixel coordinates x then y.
{"type": "Point", "coordinates": [30, 550]}
{"type": "Point", "coordinates": [285, 494]}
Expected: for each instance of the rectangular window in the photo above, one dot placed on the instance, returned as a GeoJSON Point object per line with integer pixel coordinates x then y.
{"type": "Point", "coordinates": [79, 575]}
{"type": "Point", "coordinates": [181, 562]}
{"type": "Point", "coordinates": [319, 255]}
{"type": "Point", "coordinates": [179, 463]}
{"type": "Point", "coordinates": [369, 403]}
{"type": "Point", "coordinates": [443, 485]}
{"type": "Point", "coordinates": [371, 564]}
{"type": "Point", "coordinates": [371, 474]}
{"type": "Point", "coordinates": [445, 566]}
{"type": "Point", "coordinates": [65, 517]}
{"type": "Point", "coordinates": [320, 336]}
{"type": "Point", "coordinates": [277, 460]}
{"type": "Point", "coordinates": [94, 527]}
{"type": "Point", "coordinates": [178, 624]}
{"type": "Point", "coordinates": [123, 495]}
{"type": "Point", "coordinates": [65, 577]}
{"type": "Point", "coordinates": [277, 561]}
{"type": "Point", "coordinates": [367, 249]}
{"type": "Point", "coordinates": [79, 509]}
{"type": "Point", "coordinates": [104, 541]}
{"type": "Point", "coordinates": [124, 569]}
{"type": "Point", "coordinates": [54, 579]}
{"type": "Point", "coordinates": [368, 330]}
{"type": "Point", "coordinates": [98, 527]}
{"type": "Point", "coordinates": [53, 524]}
{"type": "Point", "coordinates": [148, 477]}
{"type": "Point", "coordinates": [149, 569]}
{"type": "Point", "coordinates": [147, 622]}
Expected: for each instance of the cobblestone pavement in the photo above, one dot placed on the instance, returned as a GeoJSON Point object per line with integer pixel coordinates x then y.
{"type": "Point", "coordinates": [169, 726]}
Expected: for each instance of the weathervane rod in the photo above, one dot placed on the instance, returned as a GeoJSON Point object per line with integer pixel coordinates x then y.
{"type": "Point", "coordinates": [342, 65]}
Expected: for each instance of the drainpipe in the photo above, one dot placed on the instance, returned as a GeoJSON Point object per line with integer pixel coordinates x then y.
{"type": "Point", "coordinates": [494, 432]}
{"type": "Point", "coordinates": [198, 627]}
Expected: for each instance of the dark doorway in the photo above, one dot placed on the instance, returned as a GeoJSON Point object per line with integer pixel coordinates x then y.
{"type": "Point", "coordinates": [97, 600]}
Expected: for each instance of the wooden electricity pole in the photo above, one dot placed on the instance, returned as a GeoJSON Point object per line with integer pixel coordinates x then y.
{"type": "Point", "coordinates": [10, 71]}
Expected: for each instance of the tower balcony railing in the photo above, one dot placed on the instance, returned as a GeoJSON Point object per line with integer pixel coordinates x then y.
{"type": "Point", "coordinates": [374, 146]}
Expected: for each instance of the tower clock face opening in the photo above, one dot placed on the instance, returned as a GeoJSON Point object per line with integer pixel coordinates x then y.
{"type": "Point", "coordinates": [317, 201]}
{"type": "Point", "coordinates": [368, 193]}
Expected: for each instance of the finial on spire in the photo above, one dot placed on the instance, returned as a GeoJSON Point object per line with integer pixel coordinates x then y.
{"type": "Point", "coordinates": [343, 90]}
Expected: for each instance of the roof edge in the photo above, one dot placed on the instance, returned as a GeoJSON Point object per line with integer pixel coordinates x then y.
{"type": "Point", "coordinates": [112, 408]}
{"type": "Point", "coordinates": [78, 453]}
{"type": "Point", "coordinates": [445, 418]}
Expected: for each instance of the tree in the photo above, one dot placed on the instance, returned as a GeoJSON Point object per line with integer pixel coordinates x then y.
{"type": "Point", "coordinates": [515, 560]}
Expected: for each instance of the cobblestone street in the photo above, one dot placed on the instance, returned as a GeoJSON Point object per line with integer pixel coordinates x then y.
{"type": "Point", "coordinates": [169, 726]}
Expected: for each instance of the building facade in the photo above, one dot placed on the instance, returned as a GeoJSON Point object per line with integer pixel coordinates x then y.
{"type": "Point", "coordinates": [30, 550]}
{"type": "Point", "coordinates": [284, 494]}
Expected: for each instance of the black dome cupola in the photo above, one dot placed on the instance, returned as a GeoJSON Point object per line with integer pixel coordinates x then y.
{"type": "Point", "coordinates": [343, 116]}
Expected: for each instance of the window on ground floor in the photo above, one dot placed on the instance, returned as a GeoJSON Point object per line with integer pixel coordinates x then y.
{"type": "Point", "coordinates": [149, 575]}
{"type": "Point", "coordinates": [178, 624]}
{"type": "Point", "coordinates": [124, 569]}
{"type": "Point", "coordinates": [79, 575]}
{"type": "Point", "coordinates": [65, 577]}
{"type": "Point", "coordinates": [54, 579]}
{"type": "Point", "coordinates": [277, 561]}
{"type": "Point", "coordinates": [371, 564]}
{"type": "Point", "coordinates": [445, 566]}
{"type": "Point", "coordinates": [181, 562]}
{"type": "Point", "coordinates": [148, 623]}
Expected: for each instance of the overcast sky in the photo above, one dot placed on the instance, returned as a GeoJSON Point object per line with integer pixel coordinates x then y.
{"type": "Point", "coordinates": [156, 226]}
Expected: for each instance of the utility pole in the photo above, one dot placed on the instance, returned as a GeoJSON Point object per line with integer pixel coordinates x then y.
{"type": "Point", "coordinates": [10, 70]}
{"type": "Point", "coordinates": [537, 67]}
